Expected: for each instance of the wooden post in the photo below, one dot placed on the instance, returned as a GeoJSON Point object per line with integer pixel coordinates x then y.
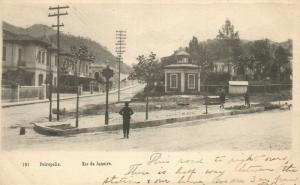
{"type": "Point", "coordinates": [147, 104]}
{"type": "Point", "coordinates": [58, 25]}
{"type": "Point", "coordinates": [206, 100]}
{"type": "Point", "coordinates": [18, 93]}
{"type": "Point", "coordinates": [279, 93]}
{"type": "Point", "coordinates": [106, 104]}
{"type": "Point", "coordinates": [77, 69]}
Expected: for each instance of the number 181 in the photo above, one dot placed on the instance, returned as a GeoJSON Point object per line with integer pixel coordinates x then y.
{"type": "Point", "coordinates": [25, 164]}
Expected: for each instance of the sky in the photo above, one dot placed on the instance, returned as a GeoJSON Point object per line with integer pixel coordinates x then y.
{"type": "Point", "coordinates": [159, 26]}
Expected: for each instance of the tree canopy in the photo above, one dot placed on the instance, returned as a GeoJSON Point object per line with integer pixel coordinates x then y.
{"type": "Point", "coordinates": [227, 32]}
{"type": "Point", "coordinates": [250, 60]}
{"type": "Point", "coordinates": [256, 60]}
{"type": "Point", "coordinates": [148, 69]}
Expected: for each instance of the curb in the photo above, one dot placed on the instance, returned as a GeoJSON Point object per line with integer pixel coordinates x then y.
{"type": "Point", "coordinates": [65, 98]}
{"type": "Point", "coordinates": [59, 132]}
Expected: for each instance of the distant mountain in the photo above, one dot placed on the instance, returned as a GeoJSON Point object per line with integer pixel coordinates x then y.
{"type": "Point", "coordinates": [67, 40]}
{"type": "Point", "coordinates": [13, 29]}
{"type": "Point", "coordinates": [40, 30]}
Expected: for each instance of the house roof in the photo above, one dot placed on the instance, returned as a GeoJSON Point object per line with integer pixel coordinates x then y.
{"type": "Point", "coordinates": [9, 36]}
{"type": "Point", "coordinates": [182, 53]}
{"type": "Point", "coordinates": [98, 66]}
{"type": "Point", "coordinates": [193, 66]}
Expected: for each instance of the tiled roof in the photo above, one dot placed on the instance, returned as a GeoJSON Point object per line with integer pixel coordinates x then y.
{"type": "Point", "coordinates": [9, 36]}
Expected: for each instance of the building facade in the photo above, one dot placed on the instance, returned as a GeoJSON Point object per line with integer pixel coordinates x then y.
{"type": "Point", "coordinates": [26, 60]}
{"type": "Point", "coordinates": [181, 76]}
{"type": "Point", "coordinates": [96, 72]}
{"type": "Point", "coordinates": [75, 71]}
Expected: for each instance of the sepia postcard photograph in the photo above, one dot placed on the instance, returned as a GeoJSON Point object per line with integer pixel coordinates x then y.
{"type": "Point", "coordinates": [129, 92]}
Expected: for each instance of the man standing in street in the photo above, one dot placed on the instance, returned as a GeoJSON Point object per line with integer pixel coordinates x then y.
{"type": "Point", "coordinates": [222, 99]}
{"type": "Point", "coordinates": [126, 112]}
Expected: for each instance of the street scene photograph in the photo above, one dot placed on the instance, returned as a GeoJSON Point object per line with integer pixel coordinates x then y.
{"type": "Point", "coordinates": [146, 76]}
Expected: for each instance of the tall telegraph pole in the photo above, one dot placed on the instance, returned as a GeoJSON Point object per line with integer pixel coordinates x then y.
{"type": "Point", "coordinates": [50, 87]}
{"type": "Point", "coordinates": [58, 25]}
{"type": "Point", "coordinates": [120, 49]}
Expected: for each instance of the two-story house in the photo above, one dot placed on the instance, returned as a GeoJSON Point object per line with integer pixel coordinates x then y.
{"type": "Point", "coordinates": [74, 70]}
{"type": "Point", "coordinates": [25, 59]}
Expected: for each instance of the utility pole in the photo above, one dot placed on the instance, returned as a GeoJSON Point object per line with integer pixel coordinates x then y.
{"type": "Point", "coordinates": [120, 49]}
{"type": "Point", "coordinates": [58, 25]}
{"type": "Point", "coordinates": [76, 58]}
{"type": "Point", "coordinates": [77, 69]}
{"type": "Point", "coordinates": [50, 88]}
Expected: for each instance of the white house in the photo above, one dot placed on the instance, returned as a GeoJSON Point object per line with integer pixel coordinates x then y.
{"type": "Point", "coordinates": [181, 76]}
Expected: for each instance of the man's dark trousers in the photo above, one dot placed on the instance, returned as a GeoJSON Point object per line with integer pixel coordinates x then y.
{"type": "Point", "coordinates": [126, 125]}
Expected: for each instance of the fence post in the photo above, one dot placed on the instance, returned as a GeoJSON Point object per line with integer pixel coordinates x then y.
{"type": "Point", "coordinates": [206, 100]}
{"type": "Point", "coordinates": [279, 94]}
{"type": "Point", "coordinates": [18, 92]}
{"type": "Point", "coordinates": [90, 85]}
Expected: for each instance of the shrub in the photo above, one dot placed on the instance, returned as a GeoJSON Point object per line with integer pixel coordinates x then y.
{"type": "Point", "coordinates": [217, 78]}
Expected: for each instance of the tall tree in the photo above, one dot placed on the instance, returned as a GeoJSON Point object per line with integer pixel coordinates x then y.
{"type": "Point", "coordinates": [148, 69]}
{"type": "Point", "coordinates": [230, 41]}
{"type": "Point", "coordinates": [200, 56]}
{"type": "Point", "coordinates": [280, 64]}
{"type": "Point", "coordinates": [261, 49]}
{"type": "Point", "coordinates": [228, 32]}
{"type": "Point", "coordinates": [243, 64]}
{"type": "Point", "coordinates": [193, 49]}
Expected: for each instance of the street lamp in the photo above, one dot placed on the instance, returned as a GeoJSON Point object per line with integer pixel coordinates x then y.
{"type": "Point", "coordinates": [107, 73]}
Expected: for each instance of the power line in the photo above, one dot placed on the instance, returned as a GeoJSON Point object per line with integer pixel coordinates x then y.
{"type": "Point", "coordinates": [84, 19]}
{"type": "Point", "coordinates": [84, 22]}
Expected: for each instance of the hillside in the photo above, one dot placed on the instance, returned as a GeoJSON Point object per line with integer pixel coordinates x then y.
{"type": "Point", "coordinates": [67, 40]}
{"type": "Point", "coordinates": [217, 51]}
{"type": "Point", "coordinates": [40, 30]}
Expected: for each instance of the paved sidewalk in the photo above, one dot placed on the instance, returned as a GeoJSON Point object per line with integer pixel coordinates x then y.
{"type": "Point", "coordinates": [159, 114]}
{"type": "Point", "coordinates": [62, 97]}
{"type": "Point", "coordinates": [137, 117]}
